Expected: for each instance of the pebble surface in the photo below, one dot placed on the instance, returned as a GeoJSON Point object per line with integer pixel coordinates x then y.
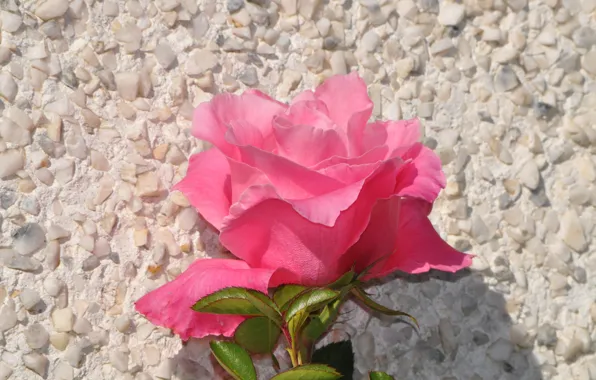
{"type": "Point", "coordinates": [96, 101]}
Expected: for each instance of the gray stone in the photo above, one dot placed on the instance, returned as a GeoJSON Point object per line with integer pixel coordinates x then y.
{"type": "Point", "coordinates": [13, 260]}
{"type": "Point", "coordinates": [36, 336]}
{"type": "Point", "coordinates": [546, 335]}
{"type": "Point", "coordinates": [584, 37]}
{"type": "Point", "coordinates": [234, 5]}
{"type": "Point", "coordinates": [29, 239]}
{"type": "Point", "coordinates": [505, 79]}
{"type": "Point", "coordinates": [249, 76]}
{"type": "Point", "coordinates": [7, 198]}
{"type": "Point", "coordinates": [500, 350]}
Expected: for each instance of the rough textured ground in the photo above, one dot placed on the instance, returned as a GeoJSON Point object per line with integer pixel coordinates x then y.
{"type": "Point", "coordinates": [96, 99]}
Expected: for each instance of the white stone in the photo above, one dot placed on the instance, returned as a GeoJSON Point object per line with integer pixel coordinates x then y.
{"type": "Point", "coordinates": [10, 22]}
{"type": "Point", "coordinates": [82, 326]}
{"type": "Point", "coordinates": [63, 371]}
{"type": "Point", "coordinates": [199, 61]}
{"type": "Point", "coordinates": [529, 175]}
{"type": "Point", "coordinates": [187, 218]}
{"type": "Point", "coordinates": [128, 84]}
{"type": "Point", "coordinates": [36, 363]}
{"type": "Point", "coordinates": [63, 320]}
{"type": "Point", "coordinates": [165, 369]}
{"type": "Point", "coordinates": [64, 170]}
{"type": "Point", "coordinates": [60, 340]}
{"type": "Point", "coordinates": [451, 13]}
{"type": "Point", "coordinates": [73, 355]}
{"type": "Point", "coordinates": [5, 371]}
{"type": "Point", "coordinates": [122, 323]}
{"type": "Point", "coordinates": [56, 232]}
{"type": "Point", "coordinates": [165, 55]}
{"type": "Point", "coordinates": [29, 298]}
{"type": "Point", "coordinates": [53, 286]}
{"type": "Point", "coordinates": [11, 161]}
{"type": "Point", "coordinates": [119, 360]}
{"type": "Point", "coordinates": [87, 242]}
{"type": "Point", "coordinates": [572, 231]}
{"type": "Point", "coordinates": [49, 9]}
{"type": "Point", "coordinates": [11, 132]}
{"type": "Point", "coordinates": [8, 87]}
{"type": "Point", "coordinates": [8, 318]}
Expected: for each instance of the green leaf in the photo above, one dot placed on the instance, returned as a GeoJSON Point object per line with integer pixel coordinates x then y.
{"type": "Point", "coordinates": [239, 301]}
{"type": "Point", "coordinates": [309, 372]}
{"type": "Point", "coordinates": [285, 293]}
{"type": "Point", "coordinates": [376, 375]}
{"type": "Point", "coordinates": [310, 301]}
{"type": "Point", "coordinates": [338, 355]}
{"type": "Point", "coordinates": [321, 322]}
{"type": "Point", "coordinates": [258, 335]}
{"type": "Point", "coordinates": [234, 359]}
{"type": "Point", "coordinates": [359, 293]}
{"type": "Point", "coordinates": [344, 280]}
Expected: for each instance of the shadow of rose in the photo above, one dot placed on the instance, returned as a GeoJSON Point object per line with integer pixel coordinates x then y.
{"type": "Point", "coordinates": [466, 333]}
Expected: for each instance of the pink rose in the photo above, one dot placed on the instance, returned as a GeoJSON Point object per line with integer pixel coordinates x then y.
{"type": "Point", "coordinates": [300, 193]}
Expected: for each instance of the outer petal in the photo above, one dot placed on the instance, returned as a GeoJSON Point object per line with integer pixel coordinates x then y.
{"type": "Point", "coordinates": [207, 185]}
{"type": "Point", "coordinates": [211, 119]}
{"type": "Point", "coordinates": [422, 176]}
{"type": "Point", "coordinates": [170, 305]}
{"type": "Point", "coordinates": [269, 233]}
{"type": "Point", "coordinates": [419, 247]}
{"type": "Point", "coordinates": [402, 237]}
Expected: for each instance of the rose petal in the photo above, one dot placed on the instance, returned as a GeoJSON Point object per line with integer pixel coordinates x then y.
{"type": "Point", "coordinates": [346, 98]}
{"type": "Point", "coordinates": [306, 144]}
{"type": "Point", "coordinates": [290, 179]}
{"type": "Point", "coordinates": [207, 185]}
{"type": "Point", "coordinates": [349, 107]}
{"type": "Point", "coordinates": [397, 136]}
{"type": "Point", "coordinates": [402, 237]}
{"type": "Point", "coordinates": [421, 176]}
{"type": "Point", "coordinates": [170, 305]}
{"type": "Point", "coordinates": [377, 154]}
{"type": "Point", "coordinates": [269, 233]}
{"type": "Point", "coordinates": [211, 119]}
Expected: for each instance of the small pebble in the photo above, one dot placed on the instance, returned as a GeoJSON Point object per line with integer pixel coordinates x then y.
{"type": "Point", "coordinates": [119, 360]}
{"type": "Point", "coordinates": [53, 286]}
{"type": "Point", "coordinates": [37, 363]}
{"type": "Point", "coordinates": [572, 231]}
{"type": "Point", "coordinates": [36, 336]}
{"type": "Point", "coordinates": [29, 298]}
{"type": "Point", "coordinates": [8, 318]}
{"type": "Point", "coordinates": [60, 340]}
{"type": "Point", "coordinates": [29, 239]}
{"type": "Point", "coordinates": [63, 320]}
{"type": "Point", "coordinates": [14, 260]}
{"type": "Point", "coordinates": [63, 371]}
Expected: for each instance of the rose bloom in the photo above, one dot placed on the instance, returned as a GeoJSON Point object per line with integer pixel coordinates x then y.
{"type": "Point", "coordinates": [301, 193]}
